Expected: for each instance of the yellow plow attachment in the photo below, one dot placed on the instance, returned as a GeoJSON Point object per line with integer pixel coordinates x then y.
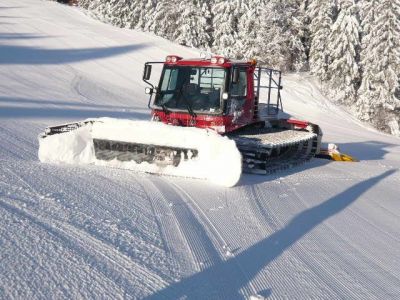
{"type": "Point", "coordinates": [333, 153]}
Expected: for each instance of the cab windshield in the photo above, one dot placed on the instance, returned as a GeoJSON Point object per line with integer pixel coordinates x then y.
{"type": "Point", "coordinates": [191, 88]}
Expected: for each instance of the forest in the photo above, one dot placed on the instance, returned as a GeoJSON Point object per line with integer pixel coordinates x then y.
{"type": "Point", "coordinates": [351, 46]}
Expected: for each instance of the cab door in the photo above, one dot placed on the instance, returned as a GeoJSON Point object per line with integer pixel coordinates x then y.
{"type": "Point", "coordinates": [240, 96]}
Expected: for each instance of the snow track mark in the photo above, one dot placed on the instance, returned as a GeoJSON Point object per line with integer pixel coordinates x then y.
{"type": "Point", "coordinates": [205, 243]}
{"type": "Point", "coordinates": [219, 241]}
{"type": "Point", "coordinates": [101, 254]}
{"type": "Point", "coordinates": [269, 223]}
{"type": "Point", "coordinates": [97, 254]}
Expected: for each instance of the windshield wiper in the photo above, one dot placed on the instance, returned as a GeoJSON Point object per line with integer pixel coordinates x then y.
{"type": "Point", "coordinates": [188, 106]}
{"type": "Point", "coordinates": [162, 104]}
{"type": "Point", "coordinates": [164, 108]}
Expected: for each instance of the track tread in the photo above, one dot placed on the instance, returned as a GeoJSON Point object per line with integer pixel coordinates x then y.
{"type": "Point", "coordinates": [266, 152]}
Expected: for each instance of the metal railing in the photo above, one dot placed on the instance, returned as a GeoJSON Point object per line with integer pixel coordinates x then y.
{"type": "Point", "coordinates": [270, 79]}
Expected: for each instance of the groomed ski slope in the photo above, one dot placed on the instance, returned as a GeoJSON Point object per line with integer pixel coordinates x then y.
{"type": "Point", "coordinates": [319, 231]}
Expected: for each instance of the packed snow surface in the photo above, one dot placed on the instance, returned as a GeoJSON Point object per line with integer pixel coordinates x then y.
{"type": "Point", "coordinates": [323, 230]}
{"type": "Point", "coordinates": [218, 159]}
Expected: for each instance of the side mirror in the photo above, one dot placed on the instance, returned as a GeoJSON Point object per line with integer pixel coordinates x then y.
{"type": "Point", "coordinates": [235, 76]}
{"type": "Point", "coordinates": [147, 72]}
{"type": "Point", "coordinates": [148, 91]}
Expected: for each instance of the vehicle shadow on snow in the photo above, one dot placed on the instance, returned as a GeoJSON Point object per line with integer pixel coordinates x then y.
{"type": "Point", "coordinates": [260, 255]}
{"type": "Point", "coordinates": [250, 179]}
{"type": "Point", "coordinates": [369, 150]}
{"type": "Point", "coordinates": [24, 55]}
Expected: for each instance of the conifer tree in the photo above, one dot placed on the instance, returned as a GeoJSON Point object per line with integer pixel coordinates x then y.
{"type": "Point", "coordinates": [143, 12]}
{"type": "Point", "coordinates": [249, 28]}
{"type": "Point", "coordinates": [320, 13]}
{"type": "Point", "coordinates": [379, 100]}
{"type": "Point", "coordinates": [280, 35]}
{"type": "Point", "coordinates": [344, 43]}
{"type": "Point", "coordinates": [85, 3]}
{"type": "Point", "coordinates": [164, 20]}
{"type": "Point", "coordinates": [192, 26]}
{"type": "Point", "coordinates": [119, 12]}
{"type": "Point", "coordinates": [271, 39]}
{"type": "Point", "coordinates": [225, 21]}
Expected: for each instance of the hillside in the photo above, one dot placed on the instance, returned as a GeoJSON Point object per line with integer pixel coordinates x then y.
{"type": "Point", "coordinates": [321, 230]}
{"type": "Point", "coordinates": [352, 47]}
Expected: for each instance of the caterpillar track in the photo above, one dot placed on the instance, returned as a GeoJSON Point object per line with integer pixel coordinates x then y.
{"type": "Point", "coordinates": [265, 151]}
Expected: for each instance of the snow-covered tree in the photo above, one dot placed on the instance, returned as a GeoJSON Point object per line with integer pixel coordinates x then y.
{"type": "Point", "coordinates": [271, 40]}
{"type": "Point", "coordinates": [379, 100]}
{"type": "Point", "coordinates": [193, 24]}
{"type": "Point", "coordinates": [85, 3]}
{"type": "Point", "coordinates": [119, 12]}
{"type": "Point", "coordinates": [296, 33]}
{"type": "Point", "coordinates": [280, 35]}
{"type": "Point", "coordinates": [96, 7]}
{"type": "Point", "coordinates": [344, 43]}
{"type": "Point", "coordinates": [164, 19]}
{"type": "Point", "coordinates": [226, 14]}
{"type": "Point", "coordinates": [320, 13]}
{"type": "Point", "coordinates": [143, 11]}
{"type": "Point", "coordinates": [116, 12]}
{"type": "Point", "coordinates": [249, 29]}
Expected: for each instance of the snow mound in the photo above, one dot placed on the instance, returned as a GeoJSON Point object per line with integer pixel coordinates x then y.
{"type": "Point", "coordinates": [218, 160]}
{"type": "Point", "coordinates": [74, 147]}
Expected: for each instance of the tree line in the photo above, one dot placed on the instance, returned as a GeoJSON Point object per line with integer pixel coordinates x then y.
{"type": "Point", "coordinates": [352, 46]}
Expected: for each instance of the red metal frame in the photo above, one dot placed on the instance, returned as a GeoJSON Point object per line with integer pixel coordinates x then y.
{"type": "Point", "coordinates": [298, 123]}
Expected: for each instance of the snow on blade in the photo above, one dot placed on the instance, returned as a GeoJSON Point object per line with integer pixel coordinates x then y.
{"type": "Point", "coordinates": [74, 147]}
{"type": "Point", "coordinates": [218, 161]}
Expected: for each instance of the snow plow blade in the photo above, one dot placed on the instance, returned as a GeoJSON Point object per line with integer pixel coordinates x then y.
{"type": "Point", "coordinates": [123, 151]}
{"type": "Point", "coordinates": [144, 146]}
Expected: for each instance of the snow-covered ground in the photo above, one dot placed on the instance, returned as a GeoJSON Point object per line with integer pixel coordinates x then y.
{"type": "Point", "coordinates": [322, 230]}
